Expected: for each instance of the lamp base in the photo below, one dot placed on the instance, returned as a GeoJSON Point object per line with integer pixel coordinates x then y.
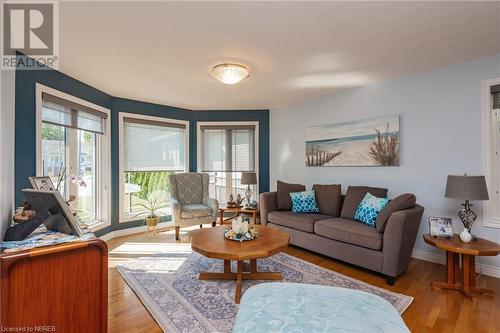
{"type": "Point", "coordinates": [248, 196]}
{"type": "Point", "coordinates": [467, 215]}
{"type": "Point", "coordinates": [465, 236]}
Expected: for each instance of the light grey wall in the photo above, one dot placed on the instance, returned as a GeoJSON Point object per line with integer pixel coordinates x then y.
{"type": "Point", "coordinates": [7, 88]}
{"type": "Point", "coordinates": [440, 135]}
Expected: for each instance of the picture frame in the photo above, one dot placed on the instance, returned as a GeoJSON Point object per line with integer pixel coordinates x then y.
{"type": "Point", "coordinates": [43, 183]}
{"type": "Point", "coordinates": [441, 227]}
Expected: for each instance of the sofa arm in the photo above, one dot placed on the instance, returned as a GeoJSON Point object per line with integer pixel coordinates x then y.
{"type": "Point", "coordinates": [176, 211]}
{"type": "Point", "coordinates": [213, 204]}
{"type": "Point", "coordinates": [268, 203]}
{"type": "Point", "coordinates": [399, 238]}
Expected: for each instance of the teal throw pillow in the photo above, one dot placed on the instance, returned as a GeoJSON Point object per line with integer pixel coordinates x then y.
{"type": "Point", "coordinates": [304, 202]}
{"type": "Point", "coordinates": [369, 208]}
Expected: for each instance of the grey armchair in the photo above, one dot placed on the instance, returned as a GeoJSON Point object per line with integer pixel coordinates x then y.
{"type": "Point", "coordinates": [190, 202]}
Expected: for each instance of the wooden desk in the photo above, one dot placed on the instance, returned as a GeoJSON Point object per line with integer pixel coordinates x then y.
{"type": "Point", "coordinates": [62, 287]}
{"type": "Point", "coordinates": [455, 248]}
{"type": "Point", "coordinates": [237, 211]}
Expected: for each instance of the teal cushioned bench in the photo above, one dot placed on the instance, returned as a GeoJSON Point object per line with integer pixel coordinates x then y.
{"type": "Point", "coordinates": [296, 307]}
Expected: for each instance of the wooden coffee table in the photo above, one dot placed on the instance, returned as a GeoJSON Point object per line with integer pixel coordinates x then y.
{"type": "Point", "coordinates": [212, 244]}
{"type": "Point", "coordinates": [454, 247]}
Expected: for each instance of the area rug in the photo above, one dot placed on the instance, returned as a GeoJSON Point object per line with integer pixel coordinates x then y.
{"type": "Point", "coordinates": [169, 287]}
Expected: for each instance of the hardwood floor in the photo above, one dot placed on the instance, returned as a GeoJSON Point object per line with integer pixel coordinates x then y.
{"type": "Point", "coordinates": [431, 310]}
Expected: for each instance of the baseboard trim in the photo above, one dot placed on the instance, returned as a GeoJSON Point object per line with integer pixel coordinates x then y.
{"type": "Point", "coordinates": [441, 259]}
{"type": "Point", "coordinates": [129, 231]}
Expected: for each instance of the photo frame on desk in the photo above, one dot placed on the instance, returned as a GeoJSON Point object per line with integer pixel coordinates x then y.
{"type": "Point", "coordinates": [441, 227]}
{"type": "Point", "coordinates": [43, 183]}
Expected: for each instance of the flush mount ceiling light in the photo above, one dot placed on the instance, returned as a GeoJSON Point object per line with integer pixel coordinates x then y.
{"type": "Point", "coordinates": [230, 73]}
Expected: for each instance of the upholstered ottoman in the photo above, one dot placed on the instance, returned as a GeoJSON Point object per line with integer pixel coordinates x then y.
{"type": "Point", "coordinates": [297, 307]}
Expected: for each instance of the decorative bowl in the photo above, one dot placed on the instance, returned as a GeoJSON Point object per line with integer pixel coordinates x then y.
{"type": "Point", "coordinates": [240, 237]}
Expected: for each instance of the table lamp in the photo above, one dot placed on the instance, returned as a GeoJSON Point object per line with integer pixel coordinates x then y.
{"type": "Point", "coordinates": [466, 188]}
{"type": "Point", "coordinates": [248, 178]}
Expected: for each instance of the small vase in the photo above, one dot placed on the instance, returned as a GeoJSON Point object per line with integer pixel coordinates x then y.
{"type": "Point", "coordinates": [465, 236]}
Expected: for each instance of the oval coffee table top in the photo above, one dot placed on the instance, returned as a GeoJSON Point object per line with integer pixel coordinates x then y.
{"type": "Point", "coordinates": [476, 247]}
{"type": "Point", "coordinates": [211, 243]}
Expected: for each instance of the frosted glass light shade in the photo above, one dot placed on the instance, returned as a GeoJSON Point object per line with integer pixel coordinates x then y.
{"type": "Point", "coordinates": [230, 73]}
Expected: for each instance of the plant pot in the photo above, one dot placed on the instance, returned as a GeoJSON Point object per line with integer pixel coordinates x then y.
{"type": "Point", "coordinates": [152, 221]}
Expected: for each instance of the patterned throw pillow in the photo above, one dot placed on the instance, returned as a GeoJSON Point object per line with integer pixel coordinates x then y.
{"type": "Point", "coordinates": [369, 208]}
{"type": "Point", "coordinates": [304, 202]}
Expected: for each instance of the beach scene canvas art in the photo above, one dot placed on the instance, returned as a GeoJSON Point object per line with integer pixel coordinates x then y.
{"type": "Point", "coordinates": [366, 142]}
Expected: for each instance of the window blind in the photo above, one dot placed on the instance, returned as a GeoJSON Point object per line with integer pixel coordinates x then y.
{"type": "Point", "coordinates": [495, 94]}
{"type": "Point", "coordinates": [228, 148]}
{"type": "Point", "coordinates": [153, 145]}
{"type": "Point", "coordinates": [59, 111]}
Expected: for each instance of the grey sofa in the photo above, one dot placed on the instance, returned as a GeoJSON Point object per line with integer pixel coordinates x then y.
{"type": "Point", "coordinates": [385, 248]}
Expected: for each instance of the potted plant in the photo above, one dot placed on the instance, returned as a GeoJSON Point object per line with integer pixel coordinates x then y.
{"type": "Point", "coordinates": [153, 207]}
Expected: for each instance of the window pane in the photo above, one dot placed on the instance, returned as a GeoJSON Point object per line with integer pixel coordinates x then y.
{"type": "Point", "coordinates": [222, 184]}
{"type": "Point", "coordinates": [139, 185]}
{"type": "Point", "coordinates": [242, 148]}
{"type": "Point", "coordinates": [54, 153]}
{"type": "Point", "coordinates": [153, 148]}
{"type": "Point", "coordinates": [214, 150]}
{"type": "Point", "coordinates": [84, 187]}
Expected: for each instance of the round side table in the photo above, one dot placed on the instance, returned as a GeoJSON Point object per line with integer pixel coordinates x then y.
{"type": "Point", "coordinates": [455, 248]}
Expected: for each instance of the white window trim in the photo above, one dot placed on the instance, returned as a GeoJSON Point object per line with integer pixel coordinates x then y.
{"type": "Point", "coordinates": [488, 155]}
{"type": "Point", "coordinates": [199, 144]}
{"type": "Point", "coordinates": [103, 187]}
{"type": "Point", "coordinates": [123, 217]}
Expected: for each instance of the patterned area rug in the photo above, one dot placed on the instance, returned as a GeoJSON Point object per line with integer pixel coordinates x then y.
{"type": "Point", "coordinates": [168, 286]}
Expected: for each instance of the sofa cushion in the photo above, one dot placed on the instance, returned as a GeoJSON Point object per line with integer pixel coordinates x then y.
{"type": "Point", "coordinates": [302, 222]}
{"type": "Point", "coordinates": [328, 199]}
{"type": "Point", "coordinates": [284, 190]}
{"type": "Point", "coordinates": [404, 201]}
{"type": "Point", "coordinates": [304, 202]}
{"type": "Point", "coordinates": [349, 231]}
{"type": "Point", "coordinates": [353, 197]}
{"type": "Point", "coordinates": [369, 208]}
{"type": "Point", "coordinates": [195, 210]}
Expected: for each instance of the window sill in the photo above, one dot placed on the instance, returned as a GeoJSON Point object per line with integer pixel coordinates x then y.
{"type": "Point", "coordinates": [133, 218]}
{"type": "Point", "coordinates": [97, 225]}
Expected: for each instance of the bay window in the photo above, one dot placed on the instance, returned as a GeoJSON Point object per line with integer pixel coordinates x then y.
{"type": "Point", "coordinates": [151, 148]}
{"type": "Point", "coordinates": [73, 150]}
{"type": "Point", "coordinates": [225, 150]}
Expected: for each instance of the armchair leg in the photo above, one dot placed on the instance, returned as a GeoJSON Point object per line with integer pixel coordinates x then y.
{"type": "Point", "coordinates": [214, 224]}
{"type": "Point", "coordinates": [177, 229]}
{"type": "Point", "coordinates": [201, 226]}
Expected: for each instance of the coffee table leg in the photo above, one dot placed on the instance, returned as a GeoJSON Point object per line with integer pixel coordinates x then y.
{"type": "Point", "coordinates": [239, 279]}
{"type": "Point", "coordinates": [253, 266]}
{"type": "Point", "coordinates": [227, 266]}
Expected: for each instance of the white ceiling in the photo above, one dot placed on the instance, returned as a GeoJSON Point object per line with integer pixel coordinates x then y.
{"type": "Point", "coordinates": [161, 52]}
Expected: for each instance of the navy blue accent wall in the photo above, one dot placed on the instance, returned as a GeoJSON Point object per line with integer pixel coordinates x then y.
{"type": "Point", "coordinates": [25, 131]}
